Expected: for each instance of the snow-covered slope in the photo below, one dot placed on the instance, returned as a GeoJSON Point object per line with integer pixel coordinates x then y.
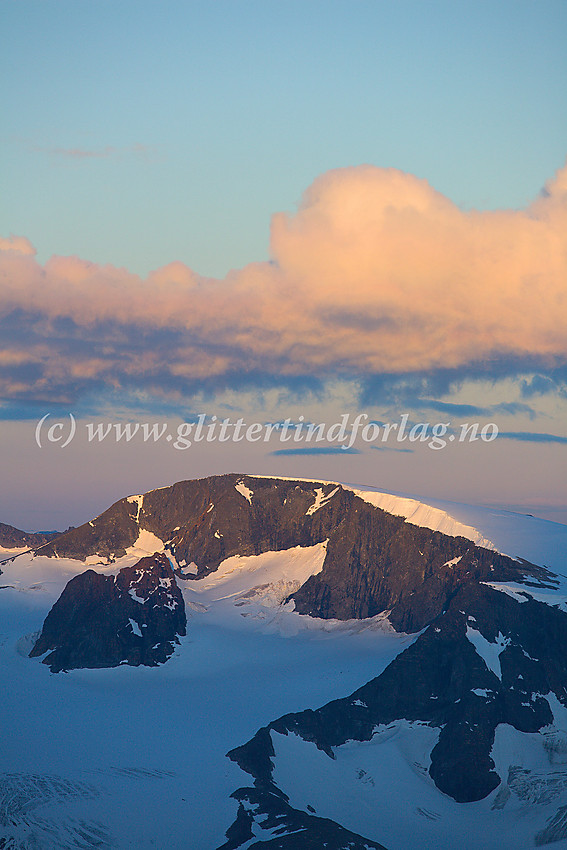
{"type": "Point", "coordinates": [424, 515]}
{"type": "Point", "coordinates": [135, 757]}
{"type": "Point", "coordinates": [517, 535]}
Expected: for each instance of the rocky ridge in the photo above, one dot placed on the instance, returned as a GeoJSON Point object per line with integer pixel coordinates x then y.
{"type": "Point", "coordinates": [375, 561]}
{"type": "Point", "coordinates": [13, 538]}
{"type": "Point", "coordinates": [135, 617]}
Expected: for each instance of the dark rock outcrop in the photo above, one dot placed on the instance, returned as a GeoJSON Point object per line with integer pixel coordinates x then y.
{"type": "Point", "coordinates": [13, 538]}
{"type": "Point", "coordinates": [132, 618]}
{"type": "Point", "coordinates": [286, 828]}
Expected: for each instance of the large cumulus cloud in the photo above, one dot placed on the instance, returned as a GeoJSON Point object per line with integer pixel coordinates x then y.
{"type": "Point", "coordinates": [375, 273]}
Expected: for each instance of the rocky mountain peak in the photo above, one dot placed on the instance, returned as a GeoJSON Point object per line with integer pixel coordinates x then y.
{"type": "Point", "coordinates": [135, 617]}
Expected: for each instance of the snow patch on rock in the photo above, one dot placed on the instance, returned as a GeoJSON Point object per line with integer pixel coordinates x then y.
{"type": "Point", "coordinates": [489, 652]}
{"type": "Point", "coordinates": [320, 500]}
{"type": "Point", "coordinates": [244, 491]}
{"type": "Point", "coordinates": [135, 627]}
{"type": "Point", "coordinates": [139, 501]}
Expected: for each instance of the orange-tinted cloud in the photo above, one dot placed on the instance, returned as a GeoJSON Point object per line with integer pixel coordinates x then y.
{"type": "Point", "coordinates": [16, 243]}
{"type": "Point", "coordinates": [376, 272]}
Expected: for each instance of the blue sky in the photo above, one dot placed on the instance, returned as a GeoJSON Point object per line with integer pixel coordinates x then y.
{"type": "Point", "coordinates": [220, 114]}
{"type": "Point", "coordinates": [149, 147]}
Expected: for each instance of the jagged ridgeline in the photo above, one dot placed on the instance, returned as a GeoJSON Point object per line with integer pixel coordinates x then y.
{"type": "Point", "coordinates": [375, 561]}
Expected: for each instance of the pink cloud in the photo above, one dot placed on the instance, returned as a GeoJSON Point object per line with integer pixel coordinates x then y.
{"type": "Point", "coordinates": [19, 244]}
{"type": "Point", "coordinates": [375, 272]}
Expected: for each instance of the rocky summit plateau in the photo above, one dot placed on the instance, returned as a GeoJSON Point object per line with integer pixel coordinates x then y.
{"type": "Point", "coordinates": [302, 664]}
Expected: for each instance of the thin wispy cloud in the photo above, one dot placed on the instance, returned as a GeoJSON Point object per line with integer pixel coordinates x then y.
{"type": "Point", "coordinates": [529, 437]}
{"type": "Point", "coordinates": [318, 450]}
{"type": "Point", "coordinates": [107, 152]}
{"type": "Point", "coordinates": [456, 409]}
{"type": "Point", "coordinates": [391, 449]}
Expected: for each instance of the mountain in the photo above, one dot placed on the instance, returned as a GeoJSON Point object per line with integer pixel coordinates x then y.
{"type": "Point", "coordinates": [374, 682]}
{"type": "Point", "coordinates": [375, 561]}
{"type": "Point", "coordinates": [135, 617]}
{"type": "Point", "coordinates": [13, 538]}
